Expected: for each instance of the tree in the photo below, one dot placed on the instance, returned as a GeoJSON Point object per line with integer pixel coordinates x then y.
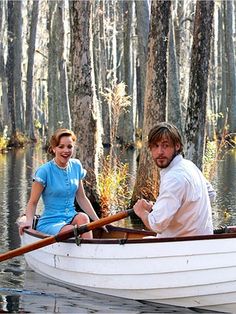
{"type": "Point", "coordinates": [84, 106]}
{"type": "Point", "coordinates": [4, 116]}
{"type": "Point", "coordinates": [195, 127]}
{"type": "Point", "coordinates": [142, 16]}
{"type": "Point", "coordinates": [10, 67]}
{"type": "Point", "coordinates": [17, 69]}
{"type": "Point", "coordinates": [30, 69]}
{"type": "Point", "coordinates": [147, 177]}
{"type": "Point", "coordinates": [174, 107]}
{"type": "Point", "coordinates": [126, 130]}
{"type": "Point", "coordinates": [230, 65]}
{"type": "Point", "coordinates": [58, 101]}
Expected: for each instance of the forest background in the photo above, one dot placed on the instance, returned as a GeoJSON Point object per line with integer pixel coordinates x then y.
{"type": "Point", "coordinates": [110, 70]}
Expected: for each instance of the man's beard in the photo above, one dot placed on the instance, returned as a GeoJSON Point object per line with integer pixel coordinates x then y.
{"type": "Point", "coordinates": [166, 161]}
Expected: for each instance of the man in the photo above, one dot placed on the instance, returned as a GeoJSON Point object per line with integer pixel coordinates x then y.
{"type": "Point", "coordinates": [183, 207]}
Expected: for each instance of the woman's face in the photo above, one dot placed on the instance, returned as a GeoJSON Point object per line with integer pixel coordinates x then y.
{"type": "Point", "coordinates": [64, 150]}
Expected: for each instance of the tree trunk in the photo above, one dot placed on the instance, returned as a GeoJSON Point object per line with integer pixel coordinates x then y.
{"type": "Point", "coordinates": [230, 65]}
{"type": "Point", "coordinates": [126, 128]}
{"type": "Point", "coordinates": [174, 108]}
{"type": "Point", "coordinates": [17, 47]}
{"type": "Point", "coordinates": [30, 69]}
{"type": "Point", "coordinates": [196, 110]}
{"type": "Point", "coordinates": [58, 102]}
{"type": "Point", "coordinates": [142, 16]}
{"type": "Point", "coordinates": [4, 116]}
{"type": "Point", "coordinates": [222, 77]}
{"type": "Point", "coordinates": [147, 178]}
{"type": "Point", "coordinates": [10, 67]}
{"type": "Point", "coordinates": [84, 106]}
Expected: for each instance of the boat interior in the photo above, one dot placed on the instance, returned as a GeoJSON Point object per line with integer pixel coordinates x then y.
{"type": "Point", "coordinates": [122, 235]}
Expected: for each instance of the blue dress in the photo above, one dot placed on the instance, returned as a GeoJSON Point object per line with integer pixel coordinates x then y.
{"type": "Point", "coordinates": [60, 187]}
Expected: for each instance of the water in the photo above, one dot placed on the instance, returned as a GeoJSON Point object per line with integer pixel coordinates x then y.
{"type": "Point", "coordinates": [224, 209]}
{"type": "Point", "coordinates": [24, 291]}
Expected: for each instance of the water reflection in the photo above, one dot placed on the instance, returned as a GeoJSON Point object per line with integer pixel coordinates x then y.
{"type": "Point", "coordinates": [224, 209]}
{"type": "Point", "coordinates": [41, 295]}
{"type": "Point", "coordinates": [24, 291]}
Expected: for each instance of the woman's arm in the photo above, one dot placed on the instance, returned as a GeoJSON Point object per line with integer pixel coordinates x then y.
{"type": "Point", "coordinates": [85, 203]}
{"type": "Point", "coordinates": [36, 192]}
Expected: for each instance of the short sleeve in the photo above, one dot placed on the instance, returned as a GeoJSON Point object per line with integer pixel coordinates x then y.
{"type": "Point", "coordinates": [79, 168]}
{"type": "Point", "coordinates": [83, 173]}
{"type": "Point", "coordinates": [40, 176]}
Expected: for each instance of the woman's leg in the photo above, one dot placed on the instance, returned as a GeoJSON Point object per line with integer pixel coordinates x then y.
{"type": "Point", "coordinates": [80, 219]}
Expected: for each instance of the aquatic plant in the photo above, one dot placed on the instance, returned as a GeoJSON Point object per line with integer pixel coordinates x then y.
{"type": "Point", "coordinates": [113, 186]}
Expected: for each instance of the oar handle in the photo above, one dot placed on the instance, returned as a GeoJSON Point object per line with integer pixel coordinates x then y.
{"type": "Point", "coordinates": [64, 235]}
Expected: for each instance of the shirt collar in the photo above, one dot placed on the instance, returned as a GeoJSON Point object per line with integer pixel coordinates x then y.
{"type": "Point", "coordinates": [174, 162]}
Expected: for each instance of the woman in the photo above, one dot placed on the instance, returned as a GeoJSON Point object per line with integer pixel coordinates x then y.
{"type": "Point", "coordinates": [59, 181]}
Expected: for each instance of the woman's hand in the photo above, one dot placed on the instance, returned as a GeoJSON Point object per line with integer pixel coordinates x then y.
{"type": "Point", "coordinates": [24, 224]}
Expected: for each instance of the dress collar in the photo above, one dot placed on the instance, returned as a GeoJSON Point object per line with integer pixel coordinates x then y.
{"type": "Point", "coordinates": [62, 168]}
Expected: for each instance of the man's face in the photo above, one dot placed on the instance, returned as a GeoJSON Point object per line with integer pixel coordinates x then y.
{"type": "Point", "coordinates": [163, 152]}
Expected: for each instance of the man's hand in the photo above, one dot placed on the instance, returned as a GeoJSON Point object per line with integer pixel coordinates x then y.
{"type": "Point", "coordinates": [141, 206]}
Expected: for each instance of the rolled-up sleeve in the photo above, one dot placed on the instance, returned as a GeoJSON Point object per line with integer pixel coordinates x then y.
{"type": "Point", "coordinates": [167, 204]}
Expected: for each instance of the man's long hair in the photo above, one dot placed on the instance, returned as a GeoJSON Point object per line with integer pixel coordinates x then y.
{"type": "Point", "coordinates": [165, 130]}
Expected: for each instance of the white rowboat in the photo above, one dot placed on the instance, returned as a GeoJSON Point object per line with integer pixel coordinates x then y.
{"type": "Point", "coordinates": [189, 271]}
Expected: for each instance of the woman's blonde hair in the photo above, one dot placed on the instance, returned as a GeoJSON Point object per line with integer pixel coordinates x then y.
{"type": "Point", "coordinates": [55, 138]}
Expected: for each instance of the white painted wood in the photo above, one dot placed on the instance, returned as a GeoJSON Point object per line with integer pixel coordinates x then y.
{"type": "Point", "coordinates": [191, 273]}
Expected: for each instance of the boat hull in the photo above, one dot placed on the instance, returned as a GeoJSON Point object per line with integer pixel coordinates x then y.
{"type": "Point", "coordinates": [190, 272]}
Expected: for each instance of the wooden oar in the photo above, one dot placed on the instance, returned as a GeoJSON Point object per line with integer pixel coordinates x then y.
{"type": "Point", "coordinates": [61, 236]}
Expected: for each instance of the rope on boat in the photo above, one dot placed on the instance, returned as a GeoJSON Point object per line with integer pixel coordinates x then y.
{"type": "Point", "coordinates": [77, 236]}
{"type": "Point", "coordinates": [222, 229]}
